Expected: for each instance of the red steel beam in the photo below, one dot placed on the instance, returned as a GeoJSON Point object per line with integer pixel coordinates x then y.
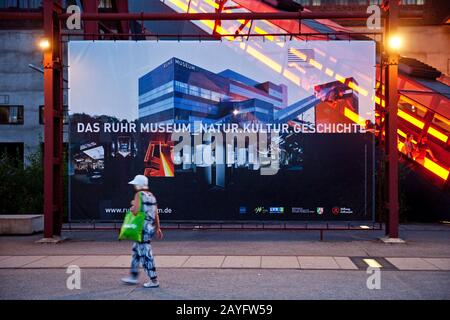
{"type": "Point", "coordinates": [53, 122]}
{"type": "Point", "coordinates": [391, 145]}
{"type": "Point", "coordinates": [124, 26]}
{"type": "Point", "coordinates": [21, 16]}
{"type": "Point", "coordinates": [202, 16]}
{"type": "Point", "coordinates": [90, 26]}
{"type": "Point", "coordinates": [306, 35]}
{"type": "Point", "coordinates": [217, 16]}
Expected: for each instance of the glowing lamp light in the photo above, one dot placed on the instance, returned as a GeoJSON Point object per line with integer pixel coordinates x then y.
{"type": "Point", "coordinates": [235, 112]}
{"type": "Point", "coordinates": [395, 42]}
{"type": "Point", "coordinates": [44, 44]}
{"type": "Point", "coordinates": [372, 263]}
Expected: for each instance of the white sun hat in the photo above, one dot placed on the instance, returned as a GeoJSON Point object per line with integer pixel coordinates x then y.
{"type": "Point", "coordinates": [139, 180]}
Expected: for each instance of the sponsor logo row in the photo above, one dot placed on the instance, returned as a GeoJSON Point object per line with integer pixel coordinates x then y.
{"type": "Point", "coordinates": [297, 210]}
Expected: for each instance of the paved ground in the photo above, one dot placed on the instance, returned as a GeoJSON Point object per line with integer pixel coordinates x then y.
{"type": "Point", "coordinates": [200, 264]}
{"type": "Point", "coordinates": [226, 284]}
{"type": "Point", "coordinates": [227, 262]}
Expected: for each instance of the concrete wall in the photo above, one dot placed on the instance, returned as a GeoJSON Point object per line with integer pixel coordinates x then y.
{"type": "Point", "coordinates": [23, 86]}
{"type": "Point", "coordinates": [428, 44]}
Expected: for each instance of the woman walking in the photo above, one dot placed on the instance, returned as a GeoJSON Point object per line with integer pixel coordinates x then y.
{"type": "Point", "coordinates": [142, 251]}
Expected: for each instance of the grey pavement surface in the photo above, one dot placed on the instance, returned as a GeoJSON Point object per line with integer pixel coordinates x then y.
{"type": "Point", "coordinates": [199, 284]}
{"type": "Point", "coordinates": [206, 264]}
{"type": "Point", "coordinates": [422, 241]}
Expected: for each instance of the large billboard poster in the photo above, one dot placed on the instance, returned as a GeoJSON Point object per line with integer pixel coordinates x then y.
{"type": "Point", "coordinates": [225, 131]}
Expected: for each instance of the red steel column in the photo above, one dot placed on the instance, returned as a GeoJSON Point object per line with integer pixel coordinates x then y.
{"type": "Point", "coordinates": [53, 99]}
{"type": "Point", "coordinates": [90, 27]}
{"type": "Point", "coordinates": [124, 26]}
{"type": "Point", "coordinates": [391, 92]}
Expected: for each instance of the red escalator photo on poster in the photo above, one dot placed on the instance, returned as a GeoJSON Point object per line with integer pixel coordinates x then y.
{"type": "Point", "coordinates": [158, 159]}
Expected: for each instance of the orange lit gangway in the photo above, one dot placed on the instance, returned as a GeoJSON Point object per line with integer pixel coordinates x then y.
{"type": "Point", "coordinates": [424, 111]}
{"type": "Point", "coordinates": [424, 108]}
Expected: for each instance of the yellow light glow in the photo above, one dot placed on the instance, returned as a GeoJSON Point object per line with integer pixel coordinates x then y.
{"type": "Point", "coordinates": [340, 78]}
{"type": "Point", "coordinates": [372, 263]}
{"type": "Point", "coordinates": [315, 64]}
{"type": "Point", "coordinates": [436, 169]}
{"type": "Point", "coordinates": [261, 31]}
{"type": "Point", "coordinates": [378, 100]}
{"type": "Point", "coordinates": [442, 119]}
{"type": "Point", "coordinates": [364, 227]}
{"type": "Point", "coordinates": [437, 134]}
{"type": "Point", "coordinates": [410, 119]}
{"type": "Point", "coordinates": [181, 5]}
{"type": "Point", "coordinates": [329, 72]}
{"type": "Point", "coordinates": [357, 88]}
{"type": "Point", "coordinates": [212, 3]}
{"type": "Point", "coordinates": [354, 117]}
{"type": "Point", "coordinates": [264, 59]}
{"type": "Point", "coordinates": [420, 124]}
{"type": "Point", "coordinates": [168, 172]}
{"type": "Point", "coordinates": [299, 54]}
{"type": "Point", "coordinates": [430, 165]}
{"type": "Point", "coordinates": [401, 133]}
{"type": "Point", "coordinates": [210, 24]}
{"type": "Point", "coordinates": [395, 42]}
{"type": "Point", "coordinates": [44, 44]}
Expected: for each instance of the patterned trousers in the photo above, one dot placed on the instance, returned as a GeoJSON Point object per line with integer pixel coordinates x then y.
{"type": "Point", "coordinates": [142, 254]}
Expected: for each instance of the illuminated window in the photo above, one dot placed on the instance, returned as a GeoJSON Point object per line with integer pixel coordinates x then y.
{"type": "Point", "coordinates": [199, 92]}
{"type": "Point", "coordinates": [413, 2]}
{"type": "Point", "coordinates": [194, 91]}
{"type": "Point", "coordinates": [156, 92]}
{"type": "Point", "coordinates": [303, 2]}
{"type": "Point", "coordinates": [11, 114]}
{"type": "Point", "coordinates": [206, 94]}
{"type": "Point", "coordinates": [181, 87]}
{"type": "Point", "coordinates": [105, 4]}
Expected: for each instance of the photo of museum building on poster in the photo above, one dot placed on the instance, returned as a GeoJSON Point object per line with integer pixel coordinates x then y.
{"type": "Point", "coordinates": [180, 92]}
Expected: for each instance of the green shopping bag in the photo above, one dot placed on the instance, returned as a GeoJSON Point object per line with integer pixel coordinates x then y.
{"type": "Point", "coordinates": [132, 225]}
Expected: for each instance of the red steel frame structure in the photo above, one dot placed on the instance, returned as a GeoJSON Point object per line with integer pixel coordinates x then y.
{"type": "Point", "coordinates": [53, 127]}
{"type": "Point", "coordinates": [391, 126]}
{"type": "Point", "coordinates": [52, 17]}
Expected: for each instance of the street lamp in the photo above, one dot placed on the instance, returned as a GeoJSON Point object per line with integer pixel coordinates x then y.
{"type": "Point", "coordinates": [44, 44]}
{"type": "Point", "coordinates": [395, 42]}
